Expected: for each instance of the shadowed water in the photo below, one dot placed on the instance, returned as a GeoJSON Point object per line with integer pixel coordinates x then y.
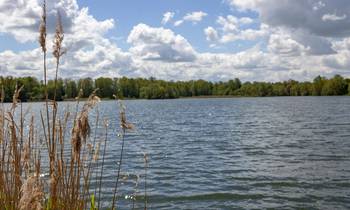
{"type": "Point", "coordinates": [240, 153]}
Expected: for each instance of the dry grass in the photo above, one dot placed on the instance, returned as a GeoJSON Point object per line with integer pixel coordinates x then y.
{"type": "Point", "coordinates": [72, 155]}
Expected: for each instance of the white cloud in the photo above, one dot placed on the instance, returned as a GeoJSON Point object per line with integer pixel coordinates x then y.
{"type": "Point", "coordinates": [233, 28]}
{"type": "Point", "coordinates": [246, 34]}
{"type": "Point", "coordinates": [301, 15]}
{"type": "Point", "coordinates": [211, 34]}
{"type": "Point", "coordinates": [283, 44]}
{"type": "Point", "coordinates": [244, 4]}
{"type": "Point", "coordinates": [333, 17]}
{"type": "Point", "coordinates": [340, 60]}
{"type": "Point", "coordinates": [232, 23]}
{"type": "Point", "coordinates": [168, 16]}
{"type": "Point", "coordinates": [19, 64]}
{"type": "Point", "coordinates": [160, 44]}
{"type": "Point", "coordinates": [179, 22]}
{"type": "Point", "coordinates": [246, 20]}
{"type": "Point", "coordinates": [229, 24]}
{"type": "Point", "coordinates": [318, 5]}
{"type": "Point", "coordinates": [291, 42]}
{"type": "Point", "coordinates": [193, 17]}
{"type": "Point", "coordinates": [89, 53]}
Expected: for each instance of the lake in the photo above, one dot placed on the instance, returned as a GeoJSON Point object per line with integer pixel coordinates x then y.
{"type": "Point", "coordinates": [237, 153]}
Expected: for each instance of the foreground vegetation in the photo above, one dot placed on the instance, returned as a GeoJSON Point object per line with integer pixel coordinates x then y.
{"type": "Point", "coordinates": [56, 161]}
{"type": "Point", "coordinates": [33, 89]}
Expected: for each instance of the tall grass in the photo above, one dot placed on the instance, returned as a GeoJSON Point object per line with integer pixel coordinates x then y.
{"type": "Point", "coordinates": [73, 155]}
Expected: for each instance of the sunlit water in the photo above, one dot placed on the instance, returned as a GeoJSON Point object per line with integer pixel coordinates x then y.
{"type": "Point", "coordinates": [239, 153]}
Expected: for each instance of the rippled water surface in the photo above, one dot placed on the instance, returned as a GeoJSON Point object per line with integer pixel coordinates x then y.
{"type": "Point", "coordinates": [240, 153]}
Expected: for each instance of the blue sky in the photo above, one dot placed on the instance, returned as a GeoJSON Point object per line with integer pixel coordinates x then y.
{"type": "Point", "coordinates": [260, 40]}
{"type": "Point", "coordinates": [129, 13]}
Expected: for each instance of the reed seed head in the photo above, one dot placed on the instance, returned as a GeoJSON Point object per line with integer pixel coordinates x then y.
{"type": "Point", "coordinates": [32, 194]}
{"type": "Point", "coordinates": [58, 40]}
{"type": "Point", "coordinates": [26, 157]}
{"type": "Point", "coordinates": [124, 124]}
{"type": "Point", "coordinates": [81, 129]}
{"type": "Point", "coordinates": [16, 96]}
{"type": "Point", "coordinates": [42, 28]}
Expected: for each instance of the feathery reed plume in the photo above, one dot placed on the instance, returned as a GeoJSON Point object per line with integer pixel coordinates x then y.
{"type": "Point", "coordinates": [123, 122]}
{"type": "Point", "coordinates": [58, 40]}
{"type": "Point", "coordinates": [125, 125]}
{"type": "Point", "coordinates": [145, 158]}
{"type": "Point", "coordinates": [77, 138]}
{"type": "Point", "coordinates": [32, 194]}
{"type": "Point", "coordinates": [81, 129]}
{"type": "Point", "coordinates": [26, 157]}
{"type": "Point", "coordinates": [42, 28]}
{"type": "Point", "coordinates": [15, 97]}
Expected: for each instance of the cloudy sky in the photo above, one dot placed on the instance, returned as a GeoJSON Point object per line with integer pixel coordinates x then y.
{"type": "Point", "coordinates": [254, 40]}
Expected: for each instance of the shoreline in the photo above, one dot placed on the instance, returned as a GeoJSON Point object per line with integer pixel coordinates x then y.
{"type": "Point", "coordinates": [187, 98]}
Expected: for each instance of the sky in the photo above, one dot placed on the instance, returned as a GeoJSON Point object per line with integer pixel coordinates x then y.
{"type": "Point", "coordinates": [216, 40]}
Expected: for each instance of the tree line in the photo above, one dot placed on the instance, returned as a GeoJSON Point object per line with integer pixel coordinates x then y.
{"type": "Point", "coordinates": [152, 88]}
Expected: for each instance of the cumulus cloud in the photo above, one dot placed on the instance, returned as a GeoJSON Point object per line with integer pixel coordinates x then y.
{"type": "Point", "coordinates": [19, 64]}
{"type": "Point", "coordinates": [246, 34]}
{"type": "Point", "coordinates": [211, 34]}
{"type": "Point", "coordinates": [294, 40]}
{"type": "Point", "coordinates": [284, 45]}
{"type": "Point", "coordinates": [310, 25]}
{"type": "Point", "coordinates": [193, 17]}
{"type": "Point", "coordinates": [89, 52]}
{"type": "Point", "coordinates": [232, 23]}
{"type": "Point", "coordinates": [209, 66]}
{"type": "Point", "coordinates": [168, 16]}
{"type": "Point", "coordinates": [228, 24]}
{"type": "Point", "coordinates": [304, 15]}
{"type": "Point", "coordinates": [233, 29]}
{"type": "Point", "coordinates": [160, 44]}
{"type": "Point", "coordinates": [244, 4]}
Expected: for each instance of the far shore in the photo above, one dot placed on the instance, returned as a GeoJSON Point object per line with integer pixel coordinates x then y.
{"type": "Point", "coordinates": [190, 97]}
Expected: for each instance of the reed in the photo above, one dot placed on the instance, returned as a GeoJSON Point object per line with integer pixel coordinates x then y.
{"type": "Point", "coordinates": [124, 125]}
{"type": "Point", "coordinates": [73, 156]}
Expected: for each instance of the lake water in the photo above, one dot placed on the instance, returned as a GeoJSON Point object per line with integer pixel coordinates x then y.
{"type": "Point", "coordinates": [239, 153]}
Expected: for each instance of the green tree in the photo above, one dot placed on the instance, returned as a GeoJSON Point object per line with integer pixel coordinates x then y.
{"type": "Point", "coordinates": [335, 86]}
{"type": "Point", "coordinates": [87, 86]}
{"type": "Point", "coordinates": [105, 87]}
{"type": "Point", "coordinates": [71, 89]}
{"type": "Point", "coordinates": [318, 85]}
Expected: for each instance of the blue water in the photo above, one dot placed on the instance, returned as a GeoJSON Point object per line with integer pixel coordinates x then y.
{"type": "Point", "coordinates": [239, 153]}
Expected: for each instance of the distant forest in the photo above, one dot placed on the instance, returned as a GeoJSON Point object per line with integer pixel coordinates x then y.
{"type": "Point", "coordinates": [33, 89]}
